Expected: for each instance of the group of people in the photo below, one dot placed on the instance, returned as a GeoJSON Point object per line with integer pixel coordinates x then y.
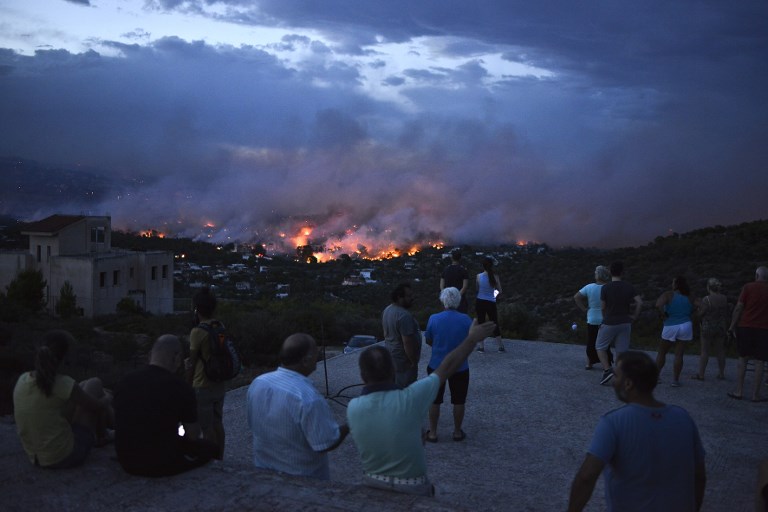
{"type": "Point", "coordinates": [59, 421]}
{"type": "Point", "coordinates": [293, 427]}
{"type": "Point", "coordinates": [609, 304]}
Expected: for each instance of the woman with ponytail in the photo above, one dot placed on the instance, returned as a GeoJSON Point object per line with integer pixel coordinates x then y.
{"type": "Point", "coordinates": [488, 288]}
{"type": "Point", "coordinates": [58, 421]}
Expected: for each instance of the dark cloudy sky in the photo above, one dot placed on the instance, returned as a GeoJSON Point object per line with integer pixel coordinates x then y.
{"type": "Point", "coordinates": [594, 123]}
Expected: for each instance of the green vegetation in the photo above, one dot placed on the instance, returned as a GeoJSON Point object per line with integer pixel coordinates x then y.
{"type": "Point", "coordinates": [66, 308]}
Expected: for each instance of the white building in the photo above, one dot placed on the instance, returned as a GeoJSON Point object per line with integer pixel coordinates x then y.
{"type": "Point", "coordinates": [78, 249]}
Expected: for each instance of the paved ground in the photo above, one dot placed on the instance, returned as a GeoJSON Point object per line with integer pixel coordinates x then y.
{"type": "Point", "coordinates": [530, 415]}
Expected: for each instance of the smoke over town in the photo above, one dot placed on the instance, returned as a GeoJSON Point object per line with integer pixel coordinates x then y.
{"type": "Point", "coordinates": [391, 127]}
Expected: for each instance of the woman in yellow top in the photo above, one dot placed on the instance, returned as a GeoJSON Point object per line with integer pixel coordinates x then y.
{"type": "Point", "coordinates": [59, 421]}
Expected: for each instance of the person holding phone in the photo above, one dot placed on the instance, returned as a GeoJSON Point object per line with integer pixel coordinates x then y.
{"type": "Point", "coordinates": [488, 290]}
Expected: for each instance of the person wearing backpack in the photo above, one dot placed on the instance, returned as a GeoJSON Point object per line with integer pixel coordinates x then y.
{"type": "Point", "coordinates": [210, 394]}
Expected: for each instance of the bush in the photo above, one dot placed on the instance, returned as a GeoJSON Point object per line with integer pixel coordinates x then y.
{"type": "Point", "coordinates": [128, 306]}
{"type": "Point", "coordinates": [67, 306]}
{"type": "Point", "coordinates": [27, 291]}
{"type": "Point", "coordinates": [517, 322]}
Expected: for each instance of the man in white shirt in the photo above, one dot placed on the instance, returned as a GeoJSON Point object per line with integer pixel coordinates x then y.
{"type": "Point", "coordinates": [292, 425]}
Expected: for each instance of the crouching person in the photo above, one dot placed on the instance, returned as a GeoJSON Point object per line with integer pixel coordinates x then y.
{"type": "Point", "coordinates": [149, 406]}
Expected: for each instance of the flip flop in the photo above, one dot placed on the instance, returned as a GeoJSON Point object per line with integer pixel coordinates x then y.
{"type": "Point", "coordinates": [696, 376]}
{"type": "Point", "coordinates": [758, 400]}
{"type": "Point", "coordinates": [734, 396]}
{"type": "Point", "coordinates": [459, 437]}
{"type": "Point", "coordinates": [430, 439]}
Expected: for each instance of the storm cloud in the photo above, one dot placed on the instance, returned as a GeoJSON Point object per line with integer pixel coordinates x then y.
{"type": "Point", "coordinates": [597, 125]}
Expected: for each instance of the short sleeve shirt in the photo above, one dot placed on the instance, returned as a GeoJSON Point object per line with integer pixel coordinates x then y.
{"type": "Point", "coordinates": [618, 297]}
{"type": "Point", "coordinates": [594, 306]}
{"type": "Point", "coordinates": [198, 341]}
{"type": "Point", "coordinates": [650, 454]}
{"type": "Point", "coordinates": [291, 424]}
{"type": "Point", "coordinates": [754, 296]}
{"type": "Point", "coordinates": [447, 330]}
{"type": "Point", "coordinates": [43, 428]}
{"type": "Point", "coordinates": [386, 428]}
{"type": "Point", "coordinates": [454, 276]}
{"type": "Point", "coordinates": [149, 404]}
{"type": "Point", "coordinates": [398, 322]}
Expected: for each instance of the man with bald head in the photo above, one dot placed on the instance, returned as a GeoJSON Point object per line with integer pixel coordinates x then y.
{"type": "Point", "coordinates": [386, 419]}
{"type": "Point", "coordinates": [292, 425]}
{"type": "Point", "coordinates": [751, 317]}
{"type": "Point", "coordinates": [149, 406]}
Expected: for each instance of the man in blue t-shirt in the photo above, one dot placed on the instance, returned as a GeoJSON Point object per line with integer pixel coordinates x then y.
{"type": "Point", "coordinates": [651, 452]}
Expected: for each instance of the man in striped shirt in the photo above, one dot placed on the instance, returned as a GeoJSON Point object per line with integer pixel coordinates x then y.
{"type": "Point", "coordinates": [292, 425]}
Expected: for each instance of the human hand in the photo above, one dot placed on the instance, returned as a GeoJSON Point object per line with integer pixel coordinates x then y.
{"type": "Point", "coordinates": [478, 332]}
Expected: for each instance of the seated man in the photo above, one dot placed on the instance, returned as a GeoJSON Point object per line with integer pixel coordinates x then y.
{"type": "Point", "coordinates": [385, 421]}
{"type": "Point", "coordinates": [149, 406]}
{"type": "Point", "coordinates": [293, 426]}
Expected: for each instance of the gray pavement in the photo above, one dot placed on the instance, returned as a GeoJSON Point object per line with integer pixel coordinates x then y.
{"type": "Point", "coordinates": [530, 415]}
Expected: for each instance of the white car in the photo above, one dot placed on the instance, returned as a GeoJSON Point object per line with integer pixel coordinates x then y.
{"type": "Point", "coordinates": [359, 342]}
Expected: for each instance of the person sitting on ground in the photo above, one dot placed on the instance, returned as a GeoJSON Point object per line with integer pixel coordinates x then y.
{"type": "Point", "coordinates": [292, 425]}
{"type": "Point", "coordinates": [58, 420]}
{"type": "Point", "coordinates": [385, 421]}
{"type": "Point", "coordinates": [445, 331]}
{"type": "Point", "coordinates": [713, 312]}
{"type": "Point", "coordinates": [651, 452]}
{"type": "Point", "coordinates": [675, 306]}
{"type": "Point", "coordinates": [149, 406]}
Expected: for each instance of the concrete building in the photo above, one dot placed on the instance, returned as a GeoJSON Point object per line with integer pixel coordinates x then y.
{"type": "Point", "coordinates": [78, 249]}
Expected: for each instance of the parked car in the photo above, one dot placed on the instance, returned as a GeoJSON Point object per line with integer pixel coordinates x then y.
{"type": "Point", "coordinates": [358, 342]}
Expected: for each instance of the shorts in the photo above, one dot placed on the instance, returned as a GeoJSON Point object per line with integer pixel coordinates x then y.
{"type": "Point", "coordinates": [752, 342]}
{"type": "Point", "coordinates": [487, 308]}
{"type": "Point", "coordinates": [84, 441]}
{"type": "Point", "coordinates": [210, 404]}
{"type": "Point", "coordinates": [458, 384]}
{"type": "Point", "coordinates": [616, 335]}
{"type": "Point", "coordinates": [680, 332]}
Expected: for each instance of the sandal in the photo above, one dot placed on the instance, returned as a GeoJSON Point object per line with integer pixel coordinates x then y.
{"type": "Point", "coordinates": [460, 437]}
{"type": "Point", "coordinates": [696, 376]}
{"type": "Point", "coordinates": [430, 439]}
{"type": "Point", "coordinates": [734, 396]}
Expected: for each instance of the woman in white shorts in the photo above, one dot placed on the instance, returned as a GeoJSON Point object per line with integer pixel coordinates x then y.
{"type": "Point", "coordinates": [676, 307]}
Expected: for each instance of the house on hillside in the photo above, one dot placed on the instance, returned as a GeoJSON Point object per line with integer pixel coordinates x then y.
{"type": "Point", "coordinates": [78, 249]}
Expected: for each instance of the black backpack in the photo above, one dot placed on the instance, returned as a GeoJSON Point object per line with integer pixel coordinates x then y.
{"type": "Point", "coordinates": [224, 362]}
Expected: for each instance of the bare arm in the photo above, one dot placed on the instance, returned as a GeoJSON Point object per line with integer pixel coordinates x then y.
{"type": "Point", "coordinates": [663, 300]}
{"type": "Point", "coordinates": [638, 307]}
{"type": "Point", "coordinates": [451, 362]}
{"type": "Point", "coordinates": [464, 286]}
{"type": "Point", "coordinates": [88, 402]}
{"type": "Point", "coordinates": [442, 284]}
{"type": "Point", "coordinates": [584, 482]}
{"type": "Point", "coordinates": [736, 316]}
{"type": "Point", "coordinates": [580, 301]}
{"type": "Point", "coordinates": [700, 482]}
{"type": "Point", "coordinates": [411, 346]}
{"type": "Point", "coordinates": [343, 431]}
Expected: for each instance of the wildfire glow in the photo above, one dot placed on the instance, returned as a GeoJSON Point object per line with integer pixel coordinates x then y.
{"type": "Point", "coordinates": [149, 233]}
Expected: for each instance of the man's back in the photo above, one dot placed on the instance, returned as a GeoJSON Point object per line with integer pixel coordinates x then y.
{"type": "Point", "coordinates": [454, 276]}
{"type": "Point", "coordinates": [651, 455]}
{"type": "Point", "coordinates": [617, 295]}
{"type": "Point", "coordinates": [291, 424]}
{"type": "Point", "coordinates": [149, 405]}
{"type": "Point", "coordinates": [386, 428]}
{"type": "Point", "coordinates": [754, 296]}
